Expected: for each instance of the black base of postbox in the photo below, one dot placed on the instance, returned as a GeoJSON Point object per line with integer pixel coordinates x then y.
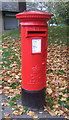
{"type": "Point", "coordinates": [33, 99]}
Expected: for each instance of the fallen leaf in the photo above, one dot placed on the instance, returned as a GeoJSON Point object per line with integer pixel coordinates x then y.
{"type": "Point", "coordinates": [17, 77]}
{"type": "Point", "coordinates": [60, 112]}
{"type": "Point", "coordinates": [31, 113]}
{"type": "Point", "coordinates": [1, 51]}
{"type": "Point", "coordinates": [0, 92]}
{"type": "Point", "coordinates": [63, 99]}
{"type": "Point", "coordinates": [60, 93]}
{"type": "Point", "coordinates": [67, 117]}
{"type": "Point", "coordinates": [49, 90]}
{"type": "Point", "coordinates": [42, 112]}
{"type": "Point", "coordinates": [1, 77]}
{"type": "Point", "coordinates": [56, 74]}
{"type": "Point", "coordinates": [6, 114]}
{"type": "Point", "coordinates": [56, 106]}
{"type": "Point", "coordinates": [17, 113]}
{"type": "Point", "coordinates": [52, 113]}
{"type": "Point", "coordinates": [4, 104]}
{"type": "Point", "coordinates": [6, 88]}
{"type": "Point", "coordinates": [0, 86]}
{"type": "Point", "coordinates": [35, 116]}
{"type": "Point", "coordinates": [7, 118]}
{"type": "Point", "coordinates": [20, 112]}
{"type": "Point", "coordinates": [65, 95]}
{"type": "Point", "coordinates": [67, 103]}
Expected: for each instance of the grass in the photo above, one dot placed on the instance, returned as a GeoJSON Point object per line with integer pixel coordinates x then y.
{"type": "Point", "coordinates": [10, 40]}
{"type": "Point", "coordinates": [11, 52]}
{"type": "Point", "coordinates": [11, 33]}
{"type": "Point", "coordinates": [58, 34]}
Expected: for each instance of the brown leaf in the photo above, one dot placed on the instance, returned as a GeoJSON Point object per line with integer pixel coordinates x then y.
{"type": "Point", "coordinates": [52, 113]}
{"type": "Point", "coordinates": [17, 77]}
{"type": "Point", "coordinates": [17, 112]}
{"type": "Point", "coordinates": [4, 104]}
{"type": "Point", "coordinates": [67, 117]}
{"type": "Point", "coordinates": [12, 57]}
{"type": "Point", "coordinates": [20, 112]}
{"type": "Point", "coordinates": [56, 106]}
{"type": "Point", "coordinates": [7, 118]}
{"type": "Point", "coordinates": [35, 116]}
{"type": "Point", "coordinates": [6, 114]}
{"type": "Point", "coordinates": [60, 112]}
{"type": "Point", "coordinates": [49, 90]}
{"type": "Point", "coordinates": [0, 92]}
{"type": "Point", "coordinates": [67, 103]}
{"type": "Point", "coordinates": [31, 113]}
{"type": "Point", "coordinates": [1, 77]}
{"type": "Point", "coordinates": [1, 51]}
{"type": "Point", "coordinates": [6, 88]}
{"type": "Point", "coordinates": [63, 99]}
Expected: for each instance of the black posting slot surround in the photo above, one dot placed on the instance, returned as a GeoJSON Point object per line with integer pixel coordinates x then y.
{"type": "Point", "coordinates": [36, 32]}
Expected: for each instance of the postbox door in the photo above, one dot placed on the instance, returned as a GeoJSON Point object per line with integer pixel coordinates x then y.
{"type": "Point", "coordinates": [39, 62]}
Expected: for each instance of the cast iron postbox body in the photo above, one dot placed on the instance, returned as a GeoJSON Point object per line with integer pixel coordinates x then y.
{"type": "Point", "coordinates": [34, 37]}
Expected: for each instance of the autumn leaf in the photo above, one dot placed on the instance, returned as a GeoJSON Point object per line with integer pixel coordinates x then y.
{"type": "Point", "coordinates": [36, 116]}
{"type": "Point", "coordinates": [0, 92]}
{"type": "Point", "coordinates": [17, 77]}
{"type": "Point", "coordinates": [56, 106]}
{"type": "Point", "coordinates": [6, 114]}
{"type": "Point", "coordinates": [4, 104]}
{"type": "Point", "coordinates": [60, 112]}
{"type": "Point", "coordinates": [7, 118]}
{"type": "Point", "coordinates": [1, 51]}
{"type": "Point", "coordinates": [56, 83]}
{"type": "Point", "coordinates": [52, 113]}
{"type": "Point", "coordinates": [49, 90]}
{"type": "Point", "coordinates": [31, 113]}
{"type": "Point", "coordinates": [63, 99]}
{"type": "Point", "coordinates": [67, 117]}
{"type": "Point", "coordinates": [17, 113]}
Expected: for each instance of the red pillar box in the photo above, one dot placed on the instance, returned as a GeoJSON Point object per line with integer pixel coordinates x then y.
{"type": "Point", "coordinates": [34, 37]}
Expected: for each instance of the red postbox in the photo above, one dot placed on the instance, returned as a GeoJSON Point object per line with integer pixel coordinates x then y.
{"type": "Point", "coordinates": [34, 37]}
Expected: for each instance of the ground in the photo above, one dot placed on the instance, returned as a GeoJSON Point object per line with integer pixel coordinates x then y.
{"type": "Point", "coordinates": [57, 80]}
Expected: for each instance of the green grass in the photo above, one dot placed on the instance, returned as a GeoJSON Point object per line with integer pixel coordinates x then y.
{"type": "Point", "coordinates": [9, 40]}
{"type": "Point", "coordinates": [58, 34]}
{"type": "Point", "coordinates": [11, 33]}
